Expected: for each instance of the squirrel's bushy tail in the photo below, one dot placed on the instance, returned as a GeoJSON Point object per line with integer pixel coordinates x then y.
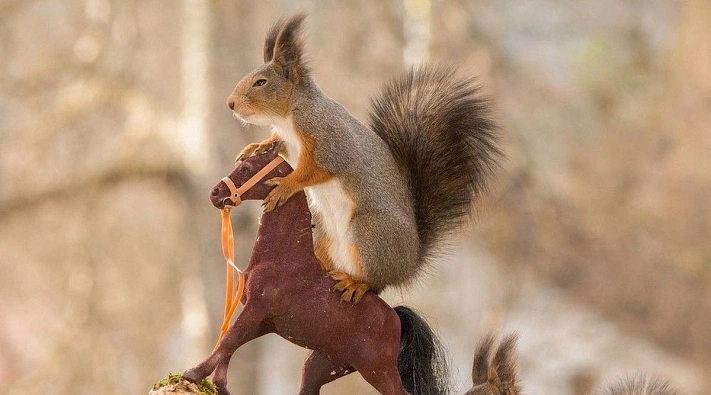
{"type": "Point", "coordinates": [421, 363]}
{"type": "Point", "coordinates": [640, 385]}
{"type": "Point", "coordinates": [437, 128]}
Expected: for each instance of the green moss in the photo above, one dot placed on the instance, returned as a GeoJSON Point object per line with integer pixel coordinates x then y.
{"type": "Point", "coordinates": [173, 378]}
{"type": "Point", "coordinates": [206, 386]}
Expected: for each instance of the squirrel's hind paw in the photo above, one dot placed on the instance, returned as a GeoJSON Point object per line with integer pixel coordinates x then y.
{"type": "Point", "coordinates": [352, 289]}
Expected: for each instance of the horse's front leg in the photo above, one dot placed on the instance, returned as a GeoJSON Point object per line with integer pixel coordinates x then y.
{"type": "Point", "coordinates": [248, 326]}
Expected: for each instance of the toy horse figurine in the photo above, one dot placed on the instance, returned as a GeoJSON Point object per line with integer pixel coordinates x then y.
{"type": "Point", "coordinates": [289, 294]}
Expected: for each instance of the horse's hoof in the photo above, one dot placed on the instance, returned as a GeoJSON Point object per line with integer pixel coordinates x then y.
{"type": "Point", "coordinates": [221, 385]}
{"type": "Point", "coordinates": [192, 376]}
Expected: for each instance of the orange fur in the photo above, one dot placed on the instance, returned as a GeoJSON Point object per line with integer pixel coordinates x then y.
{"type": "Point", "coordinates": [246, 101]}
{"type": "Point", "coordinates": [306, 173]}
{"type": "Point", "coordinates": [321, 246]}
{"type": "Point", "coordinates": [261, 147]}
{"type": "Point", "coordinates": [353, 288]}
{"type": "Point", "coordinates": [355, 254]}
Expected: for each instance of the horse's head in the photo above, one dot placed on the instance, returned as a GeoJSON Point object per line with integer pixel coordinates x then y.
{"type": "Point", "coordinates": [221, 194]}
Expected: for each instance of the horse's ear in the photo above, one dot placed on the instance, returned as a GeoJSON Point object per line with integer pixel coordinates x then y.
{"type": "Point", "coordinates": [288, 49]}
{"type": "Point", "coordinates": [270, 41]}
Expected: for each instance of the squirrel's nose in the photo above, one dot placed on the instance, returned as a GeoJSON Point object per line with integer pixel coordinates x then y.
{"type": "Point", "coordinates": [230, 103]}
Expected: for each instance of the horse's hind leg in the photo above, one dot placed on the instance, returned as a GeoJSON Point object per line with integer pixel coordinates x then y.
{"type": "Point", "coordinates": [248, 326]}
{"type": "Point", "coordinates": [386, 381]}
{"type": "Point", "coordinates": [220, 377]}
{"type": "Point", "coordinates": [379, 368]}
{"type": "Point", "coordinates": [319, 370]}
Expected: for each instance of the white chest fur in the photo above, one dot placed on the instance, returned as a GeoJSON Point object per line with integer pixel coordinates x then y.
{"type": "Point", "coordinates": [329, 200]}
{"type": "Point", "coordinates": [284, 128]}
{"type": "Point", "coordinates": [335, 209]}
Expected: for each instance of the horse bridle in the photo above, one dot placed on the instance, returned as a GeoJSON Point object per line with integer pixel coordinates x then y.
{"type": "Point", "coordinates": [236, 193]}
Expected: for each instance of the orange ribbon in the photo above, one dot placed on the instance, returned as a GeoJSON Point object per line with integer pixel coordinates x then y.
{"type": "Point", "coordinates": [228, 243]}
{"type": "Point", "coordinates": [228, 250]}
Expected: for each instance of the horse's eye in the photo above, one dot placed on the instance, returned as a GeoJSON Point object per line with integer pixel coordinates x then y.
{"type": "Point", "coordinates": [260, 82]}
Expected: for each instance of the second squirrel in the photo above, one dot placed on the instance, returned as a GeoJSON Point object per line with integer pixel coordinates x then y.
{"type": "Point", "coordinates": [383, 196]}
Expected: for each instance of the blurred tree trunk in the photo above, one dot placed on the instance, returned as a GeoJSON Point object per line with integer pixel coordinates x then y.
{"type": "Point", "coordinates": [685, 182]}
{"type": "Point", "coordinates": [95, 231]}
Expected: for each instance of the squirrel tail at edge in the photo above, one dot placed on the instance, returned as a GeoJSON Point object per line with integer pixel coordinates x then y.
{"type": "Point", "coordinates": [440, 134]}
{"type": "Point", "coordinates": [640, 385]}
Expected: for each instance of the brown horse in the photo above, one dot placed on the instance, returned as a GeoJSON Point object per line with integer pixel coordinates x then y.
{"type": "Point", "coordinates": [289, 294]}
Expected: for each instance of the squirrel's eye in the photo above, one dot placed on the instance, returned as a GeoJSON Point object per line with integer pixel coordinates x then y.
{"type": "Point", "coordinates": [260, 82]}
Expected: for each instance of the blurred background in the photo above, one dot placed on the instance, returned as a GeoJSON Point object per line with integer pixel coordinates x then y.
{"type": "Point", "coordinates": [593, 245]}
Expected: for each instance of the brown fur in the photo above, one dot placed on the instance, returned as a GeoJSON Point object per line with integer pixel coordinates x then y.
{"type": "Point", "coordinates": [289, 49]}
{"type": "Point", "coordinates": [270, 41]}
{"type": "Point", "coordinates": [496, 375]}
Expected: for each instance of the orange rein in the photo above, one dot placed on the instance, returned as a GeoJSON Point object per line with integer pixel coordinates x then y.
{"type": "Point", "coordinates": [228, 245]}
{"type": "Point", "coordinates": [228, 251]}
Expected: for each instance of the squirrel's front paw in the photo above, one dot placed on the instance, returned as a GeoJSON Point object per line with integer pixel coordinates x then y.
{"type": "Point", "coordinates": [352, 289]}
{"type": "Point", "coordinates": [279, 195]}
{"type": "Point", "coordinates": [254, 149]}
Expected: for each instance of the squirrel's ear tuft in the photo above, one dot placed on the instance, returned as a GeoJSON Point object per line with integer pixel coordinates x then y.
{"type": "Point", "coordinates": [288, 48]}
{"type": "Point", "coordinates": [480, 369]}
{"type": "Point", "coordinates": [505, 359]}
{"type": "Point", "coordinates": [270, 41]}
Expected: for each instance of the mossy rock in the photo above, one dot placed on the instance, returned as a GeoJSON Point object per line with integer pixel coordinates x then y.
{"type": "Point", "coordinates": [175, 384]}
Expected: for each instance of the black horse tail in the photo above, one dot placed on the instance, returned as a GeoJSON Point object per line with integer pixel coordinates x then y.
{"type": "Point", "coordinates": [422, 362]}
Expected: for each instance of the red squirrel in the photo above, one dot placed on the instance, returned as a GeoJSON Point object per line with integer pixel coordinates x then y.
{"type": "Point", "coordinates": [495, 372]}
{"type": "Point", "coordinates": [383, 195]}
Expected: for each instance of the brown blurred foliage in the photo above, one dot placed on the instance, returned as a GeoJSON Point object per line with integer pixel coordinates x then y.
{"type": "Point", "coordinates": [616, 210]}
{"type": "Point", "coordinates": [113, 127]}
